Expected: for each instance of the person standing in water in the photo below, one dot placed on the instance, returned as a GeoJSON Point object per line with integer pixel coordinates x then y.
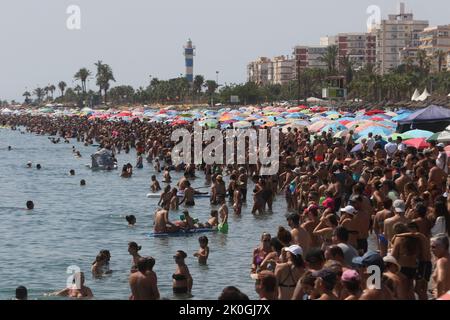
{"type": "Point", "coordinates": [203, 253]}
{"type": "Point", "coordinates": [182, 279]}
{"type": "Point", "coordinates": [133, 250]}
{"type": "Point", "coordinates": [144, 282]}
{"type": "Point", "coordinates": [139, 162]}
{"type": "Point", "coordinates": [223, 214]}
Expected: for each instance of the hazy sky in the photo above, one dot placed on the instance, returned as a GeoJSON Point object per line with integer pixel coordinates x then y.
{"type": "Point", "coordinates": [139, 38]}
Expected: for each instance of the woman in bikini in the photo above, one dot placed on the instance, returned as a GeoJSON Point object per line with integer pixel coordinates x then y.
{"type": "Point", "coordinates": [289, 273]}
{"type": "Point", "coordinates": [260, 253]}
{"type": "Point", "coordinates": [182, 279]}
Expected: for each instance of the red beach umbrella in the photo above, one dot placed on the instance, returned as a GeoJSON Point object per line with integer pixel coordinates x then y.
{"type": "Point", "coordinates": [418, 143]}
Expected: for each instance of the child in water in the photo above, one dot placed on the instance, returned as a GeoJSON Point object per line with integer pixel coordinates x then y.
{"type": "Point", "coordinates": [157, 165]}
{"type": "Point", "coordinates": [155, 184]}
{"type": "Point", "coordinates": [203, 253]}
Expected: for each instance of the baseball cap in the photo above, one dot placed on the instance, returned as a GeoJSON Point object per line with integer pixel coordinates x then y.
{"type": "Point", "coordinates": [349, 209]}
{"type": "Point", "coordinates": [399, 205]}
{"type": "Point", "coordinates": [370, 258]}
{"type": "Point", "coordinates": [295, 250]}
{"type": "Point", "coordinates": [350, 275]}
{"type": "Point", "coordinates": [440, 145]}
{"type": "Point", "coordinates": [391, 259]}
{"type": "Point", "coordinates": [326, 275]}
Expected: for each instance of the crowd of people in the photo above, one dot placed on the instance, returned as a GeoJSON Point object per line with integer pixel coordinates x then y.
{"type": "Point", "coordinates": [384, 208]}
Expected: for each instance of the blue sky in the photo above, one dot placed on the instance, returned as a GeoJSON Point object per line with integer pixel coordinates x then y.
{"type": "Point", "coordinates": [139, 38]}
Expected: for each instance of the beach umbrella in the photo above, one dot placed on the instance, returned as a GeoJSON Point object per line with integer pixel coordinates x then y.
{"type": "Point", "coordinates": [334, 116]}
{"type": "Point", "coordinates": [444, 136]}
{"type": "Point", "coordinates": [357, 148]}
{"type": "Point", "coordinates": [435, 136]}
{"type": "Point", "coordinates": [374, 112]}
{"type": "Point", "coordinates": [124, 114]}
{"type": "Point", "coordinates": [401, 116]}
{"type": "Point", "coordinates": [375, 131]}
{"type": "Point", "coordinates": [418, 143]}
{"type": "Point", "coordinates": [242, 124]}
{"type": "Point", "coordinates": [268, 124]}
{"type": "Point", "coordinates": [391, 114]}
{"type": "Point", "coordinates": [317, 126]}
{"type": "Point", "coordinates": [179, 122]}
{"type": "Point", "coordinates": [416, 133]}
{"type": "Point", "coordinates": [335, 127]}
{"type": "Point", "coordinates": [341, 134]}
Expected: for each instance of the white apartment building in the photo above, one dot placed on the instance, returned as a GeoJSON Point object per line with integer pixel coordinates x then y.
{"type": "Point", "coordinates": [399, 31]}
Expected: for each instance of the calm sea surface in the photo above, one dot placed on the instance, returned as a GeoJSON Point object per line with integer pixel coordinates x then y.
{"type": "Point", "coordinates": [70, 224]}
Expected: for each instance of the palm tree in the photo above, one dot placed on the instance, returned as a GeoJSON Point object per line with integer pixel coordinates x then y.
{"type": "Point", "coordinates": [440, 56]}
{"type": "Point", "coordinates": [27, 96]}
{"type": "Point", "coordinates": [346, 66]}
{"type": "Point", "coordinates": [62, 86]}
{"type": "Point", "coordinates": [52, 89]}
{"type": "Point", "coordinates": [104, 76]}
{"type": "Point", "coordinates": [82, 75]}
{"type": "Point", "coordinates": [422, 59]}
{"type": "Point", "coordinates": [47, 90]}
{"type": "Point", "coordinates": [330, 58]}
{"type": "Point", "coordinates": [198, 84]}
{"type": "Point", "coordinates": [39, 93]}
{"type": "Point", "coordinates": [211, 87]}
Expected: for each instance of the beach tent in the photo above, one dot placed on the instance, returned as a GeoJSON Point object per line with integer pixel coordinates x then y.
{"type": "Point", "coordinates": [424, 96]}
{"type": "Point", "coordinates": [416, 95]}
{"type": "Point", "coordinates": [444, 137]}
{"type": "Point", "coordinates": [433, 118]}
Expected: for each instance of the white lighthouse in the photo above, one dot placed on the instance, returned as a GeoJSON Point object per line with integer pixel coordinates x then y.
{"type": "Point", "coordinates": [189, 53]}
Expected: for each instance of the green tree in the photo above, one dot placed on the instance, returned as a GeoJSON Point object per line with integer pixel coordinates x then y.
{"type": "Point", "coordinates": [39, 93]}
{"type": "Point", "coordinates": [62, 86]}
{"type": "Point", "coordinates": [104, 77]}
{"type": "Point", "coordinates": [27, 96]}
{"type": "Point", "coordinates": [330, 58]}
{"type": "Point", "coordinates": [440, 56]}
{"type": "Point", "coordinates": [82, 76]}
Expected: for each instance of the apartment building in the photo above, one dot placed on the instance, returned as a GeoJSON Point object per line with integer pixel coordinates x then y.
{"type": "Point", "coordinates": [434, 39]}
{"type": "Point", "coordinates": [394, 34]}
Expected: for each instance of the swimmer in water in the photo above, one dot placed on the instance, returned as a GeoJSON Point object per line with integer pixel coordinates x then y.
{"type": "Point", "coordinates": [72, 172]}
{"type": "Point", "coordinates": [82, 182]}
{"type": "Point", "coordinates": [38, 166]}
{"type": "Point", "coordinates": [131, 220]}
{"type": "Point", "coordinates": [78, 290]}
{"type": "Point", "coordinates": [9, 148]}
{"type": "Point", "coordinates": [203, 253]}
{"type": "Point", "coordinates": [29, 164]}
{"type": "Point", "coordinates": [21, 293]}
{"type": "Point", "coordinates": [30, 205]}
{"type": "Point", "coordinates": [98, 266]}
{"type": "Point", "coordinates": [78, 154]}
